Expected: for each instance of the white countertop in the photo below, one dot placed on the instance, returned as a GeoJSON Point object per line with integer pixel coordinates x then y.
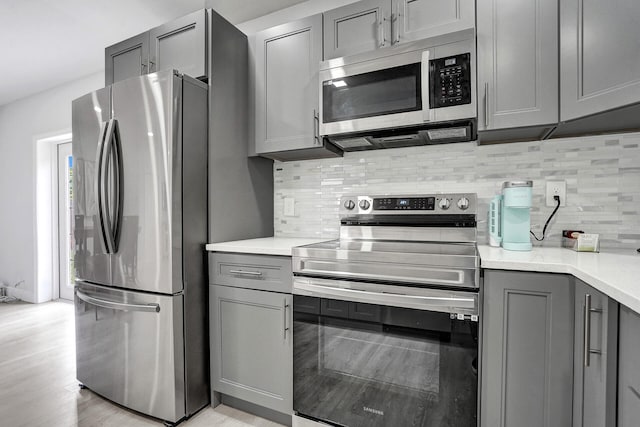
{"type": "Point", "coordinates": [615, 274]}
{"type": "Point", "coordinates": [264, 246]}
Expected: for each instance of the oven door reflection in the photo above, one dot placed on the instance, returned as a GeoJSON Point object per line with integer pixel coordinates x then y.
{"type": "Point", "coordinates": [369, 365]}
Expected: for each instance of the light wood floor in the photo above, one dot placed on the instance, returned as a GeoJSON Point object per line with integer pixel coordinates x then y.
{"type": "Point", "coordinates": [37, 377]}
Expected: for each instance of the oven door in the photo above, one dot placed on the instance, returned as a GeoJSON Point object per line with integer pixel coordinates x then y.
{"type": "Point", "coordinates": [375, 364]}
{"type": "Point", "coordinates": [392, 91]}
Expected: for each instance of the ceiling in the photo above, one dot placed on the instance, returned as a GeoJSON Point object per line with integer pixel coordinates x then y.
{"type": "Point", "coordinates": [45, 43]}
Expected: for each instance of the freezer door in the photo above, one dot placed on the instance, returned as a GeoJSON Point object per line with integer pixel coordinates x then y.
{"type": "Point", "coordinates": [147, 110]}
{"type": "Point", "coordinates": [90, 115]}
{"type": "Point", "coordinates": [129, 349]}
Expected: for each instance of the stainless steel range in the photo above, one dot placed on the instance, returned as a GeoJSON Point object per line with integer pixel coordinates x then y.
{"type": "Point", "coordinates": [386, 318]}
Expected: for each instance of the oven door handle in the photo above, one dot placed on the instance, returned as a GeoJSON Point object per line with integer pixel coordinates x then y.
{"type": "Point", "coordinates": [441, 301]}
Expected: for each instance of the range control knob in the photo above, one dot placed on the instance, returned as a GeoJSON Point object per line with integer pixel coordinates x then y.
{"type": "Point", "coordinates": [364, 204]}
{"type": "Point", "coordinates": [444, 204]}
{"type": "Point", "coordinates": [463, 203]}
{"type": "Point", "coordinates": [349, 204]}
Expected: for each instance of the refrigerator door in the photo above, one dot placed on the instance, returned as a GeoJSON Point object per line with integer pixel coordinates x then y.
{"type": "Point", "coordinates": [90, 113]}
{"type": "Point", "coordinates": [129, 348]}
{"type": "Point", "coordinates": [147, 110]}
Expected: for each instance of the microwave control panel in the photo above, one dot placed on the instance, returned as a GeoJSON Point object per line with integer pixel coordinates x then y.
{"type": "Point", "coordinates": [450, 81]}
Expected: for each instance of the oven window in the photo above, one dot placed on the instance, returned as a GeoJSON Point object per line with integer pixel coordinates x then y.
{"type": "Point", "coordinates": [388, 91]}
{"type": "Point", "coordinates": [368, 365]}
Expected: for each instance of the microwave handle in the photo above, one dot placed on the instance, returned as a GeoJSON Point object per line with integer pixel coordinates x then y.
{"type": "Point", "coordinates": [425, 82]}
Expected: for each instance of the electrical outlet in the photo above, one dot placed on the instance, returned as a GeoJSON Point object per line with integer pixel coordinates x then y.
{"type": "Point", "coordinates": [556, 188]}
{"type": "Point", "coordinates": [289, 206]}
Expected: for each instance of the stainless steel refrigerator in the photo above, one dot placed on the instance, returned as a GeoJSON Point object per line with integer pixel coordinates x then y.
{"type": "Point", "coordinates": [140, 201]}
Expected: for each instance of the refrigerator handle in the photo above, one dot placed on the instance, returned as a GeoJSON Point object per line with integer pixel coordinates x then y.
{"type": "Point", "coordinates": [152, 308]}
{"type": "Point", "coordinates": [100, 183]}
{"type": "Point", "coordinates": [104, 187]}
{"type": "Point", "coordinates": [118, 184]}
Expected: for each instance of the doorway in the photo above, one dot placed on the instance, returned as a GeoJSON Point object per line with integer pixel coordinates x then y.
{"type": "Point", "coordinates": [66, 242]}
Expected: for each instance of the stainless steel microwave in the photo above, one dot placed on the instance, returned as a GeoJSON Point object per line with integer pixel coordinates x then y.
{"type": "Point", "coordinates": [417, 93]}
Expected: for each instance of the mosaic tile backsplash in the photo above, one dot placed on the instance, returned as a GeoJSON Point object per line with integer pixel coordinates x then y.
{"type": "Point", "coordinates": [602, 175]}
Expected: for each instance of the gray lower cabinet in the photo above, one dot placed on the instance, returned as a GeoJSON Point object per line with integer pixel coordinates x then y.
{"type": "Point", "coordinates": [179, 44]}
{"type": "Point", "coordinates": [287, 58]}
{"type": "Point", "coordinates": [629, 368]}
{"type": "Point", "coordinates": [371, 24]}
{"type": "Point", "coordinates": [595, 358]}
{"type": "Point", "coordinates": [527, 351]}
{"type": "Point", "coordinates": [600, 65]}
{"type": "Point", "coordinates": [517, 65]}
{"type": "Point", "coordinates": [251, 346]}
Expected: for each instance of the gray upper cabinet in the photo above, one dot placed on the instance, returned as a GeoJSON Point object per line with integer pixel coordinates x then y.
{"type": "Point", "coordinates": [356, 28]}
{"type": "Point", "coordinates": [129, 58]}
{"type": "Point", "coordinates": [287, 58]}
{"type": "Point", "coordinates": [595, 358]}
{"type": "Point", "coordinates": [517, 63]}
{"type": "Point", "coordinates": [629, 368]}
{"type": "Point", "coordinates": [419, 19]}
{"type": "Point", "coordinates": [251, 346]}
{"type": "Point", "coordinates": [600, 63]}
{"type": "Point", "coordinates": [527, 356]}
{"type": "Point", "coordinates": [371, 24]}
{"type": "Point", "coordinates": [179, 44]}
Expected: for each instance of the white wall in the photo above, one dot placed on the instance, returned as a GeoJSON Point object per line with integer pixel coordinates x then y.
{"type": "Point", "coordinates": [45, 114]}
{"type": "Point", "coordinates": [21, 123]}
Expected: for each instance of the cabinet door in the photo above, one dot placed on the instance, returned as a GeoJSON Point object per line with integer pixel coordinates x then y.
{"type": "Point", "coordinates": [527, 357]}
{"type": "Point", "coordinates": [251, 346]}
{"type": "Point", "coordinates": [629, 368]}
{"type": "Point", "coordinates": [126, 59]}
{"type": "Point", "coordinates": [180, 45]}
{"type": "Point", "coordinates": [600, 64]}
{"type": "Point", "coordinates": [419, 19]}
{"type": "Point", "coordinates": [517, 63]}
{"type": "Point", "coordinates": [356, 28]}
{"type": "Point", "coordinates": [594, 375]}
{"type": "Point", "coordinates": [287, 58]}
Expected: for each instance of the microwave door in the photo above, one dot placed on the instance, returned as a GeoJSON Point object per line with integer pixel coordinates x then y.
{"type": "Point", "coordinates": [362, 97]}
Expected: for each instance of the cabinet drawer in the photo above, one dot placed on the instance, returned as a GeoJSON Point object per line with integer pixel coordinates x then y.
{"type": "Point", "coordinates": [262, 272]}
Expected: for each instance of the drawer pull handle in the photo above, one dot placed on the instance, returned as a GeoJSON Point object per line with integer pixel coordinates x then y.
{"type": "Point", "coordinates": [285, 306]}
{"type": "Point", "coordinates": [246, 273]}
{"type": "Point", "coordinates": [587, 350]}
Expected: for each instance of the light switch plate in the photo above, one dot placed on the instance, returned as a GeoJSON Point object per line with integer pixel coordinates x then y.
{"type": "Point", "coordinates": [289, 206]}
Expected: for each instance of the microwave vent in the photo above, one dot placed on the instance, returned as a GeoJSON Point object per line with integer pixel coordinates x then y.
{"type": "Point", "coordinates": [449, 134]}
{"type": "Point", "coordinates": [352, 143]}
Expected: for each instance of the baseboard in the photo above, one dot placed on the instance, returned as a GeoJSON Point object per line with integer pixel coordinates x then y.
{"type": "Point", "coordinates": [305, 422]}
{"type": "Point", "coordinates": [254, 409]}
{"type": "Point", "coordinates": [22, 294]}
